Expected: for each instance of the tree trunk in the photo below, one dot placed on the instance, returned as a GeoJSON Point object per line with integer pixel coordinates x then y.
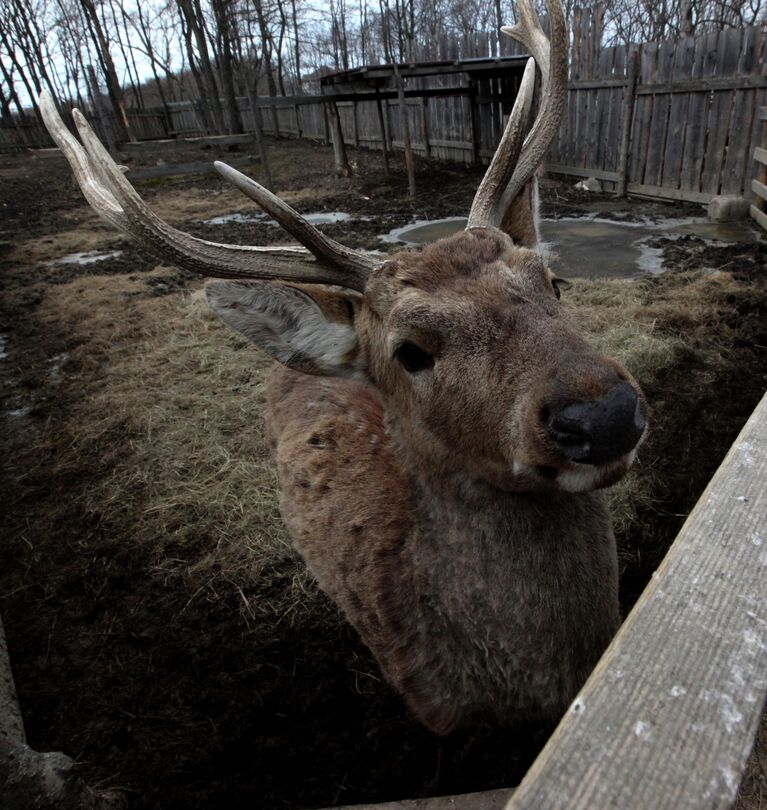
{"type": "Point", "coordinates": [266, 47]}
{"type": "Point", "coordinates": [297, 48]}
{"type": "Point", "coordinates": [223, 22]}
{"type": "Point", "coordinates": [110, 74]}
{"type": "Point", "coordinates": [192, 14]}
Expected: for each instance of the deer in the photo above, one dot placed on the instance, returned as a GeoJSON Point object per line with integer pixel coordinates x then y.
{"type": "Point", "coordinates": [442, 432]}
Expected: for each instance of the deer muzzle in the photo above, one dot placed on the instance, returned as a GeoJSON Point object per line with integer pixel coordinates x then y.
{"type": "Point", "coordinates": [601, 430]}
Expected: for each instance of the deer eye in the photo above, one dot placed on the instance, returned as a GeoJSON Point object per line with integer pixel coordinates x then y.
{"type": "Point", "coordinates": [413, 358]}
{"type": "Point", "coordinates": [560, 284]}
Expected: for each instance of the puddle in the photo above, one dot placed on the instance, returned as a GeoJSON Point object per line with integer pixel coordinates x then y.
{"type": "Point", "coordinates": [320, 218]}
{"type": "Point", "coordinates": [424, 231]}
{"type": "Point", "coordinates": [589, 247]}
{"type": "Point", "coordinates": [90, 257]}
{"type": "Point", "coordinates": [19, 412]}
{"type": "Point", "coordinates": [3, 347]}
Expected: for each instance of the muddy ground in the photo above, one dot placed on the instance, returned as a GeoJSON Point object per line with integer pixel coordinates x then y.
{"type": "Point", "coordinates": [162, 631]}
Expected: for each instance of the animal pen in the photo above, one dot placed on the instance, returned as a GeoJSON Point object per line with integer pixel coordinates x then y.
{"type": "Point", "coordinates": [669, 715]}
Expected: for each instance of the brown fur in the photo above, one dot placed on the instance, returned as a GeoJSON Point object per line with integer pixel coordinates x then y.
{"type": "Point", "coordinates": [429, 506]}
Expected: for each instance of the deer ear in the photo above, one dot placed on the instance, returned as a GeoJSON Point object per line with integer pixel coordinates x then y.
{"type": "Point", "coordinates": [520, 221]}
{"type": "Point", "coordinates": [308, 328]}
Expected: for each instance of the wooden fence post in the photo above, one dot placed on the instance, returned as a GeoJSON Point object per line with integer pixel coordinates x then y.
{"type": "Point", "coordinates": [384, 140]}
{"type": "Point", "coordinates": [339, 147]}
{"type": "Point", "coordinates": [425, 125]}
{"type": "Point", "coordinates": [355, 125]}
{"type": "Point", "coordinates": [297, 113]}
{"type": "Point", "coordinates": [325, 115]}
{"type": "Point", "coordinates": [628, 116]}
{"type": "Point", "coordinates": [409, 163]}
{"type": "Point", "coordinates": [475, 134]}
{"type": "Point", "coordinates": [258, 132]}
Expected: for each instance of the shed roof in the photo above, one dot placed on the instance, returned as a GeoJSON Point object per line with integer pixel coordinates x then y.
{"type": "Point", "coordinates": [377, 76]}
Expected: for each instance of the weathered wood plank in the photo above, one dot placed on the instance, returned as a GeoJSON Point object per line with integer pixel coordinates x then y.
{"type": "Point", "coordinates": [643, 113]}
{"type": "Point", "coordinates": [656, 145]}
{"type": "Point", "coordinates": [615, 106]}
{"type": "Point", "coordinates": [734, 176]}
{"type": "Point", "coordinates": [595, 84]}
{"type": "Point", "coordinates": [677, 117]}
{"type": "Point", "coordinates": [704, 63]}
{"type": "Point", "coordinates": [629, 101]}
{"type": "Point", "coordinates": [759, 216]}
{"type": "Point", "coordinates": [720, 112]}
{"type": "Point", "coordinates": [668, 717]}
{"type": "Point", "coordinates": [763, 113]}
{"type": "Point", "coordinates": [760, 189]}
{"type": "Point", "coordinates": [602, 131]}
{"type": "Point", "coordinates": [659, 192]}
{"type": "Point", "coordinates": [579, 171]}
{"type": "Point", "coordinates": [714, 83]}
{"type": "Point", "coordinates": [486, 800]}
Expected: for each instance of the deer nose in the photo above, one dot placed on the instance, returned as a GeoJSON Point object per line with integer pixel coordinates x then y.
{"type": "Point", "coordinates": [601, 430]}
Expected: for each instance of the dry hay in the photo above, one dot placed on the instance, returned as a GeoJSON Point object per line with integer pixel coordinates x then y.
{"type": "Point", "coordinates": [175, 427]}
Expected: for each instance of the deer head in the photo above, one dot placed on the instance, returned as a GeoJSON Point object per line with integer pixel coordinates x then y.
{"type": "Point", "coordinates": [480, 370]}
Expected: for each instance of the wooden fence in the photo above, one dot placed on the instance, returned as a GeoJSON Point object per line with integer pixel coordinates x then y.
{"type": "Point", "coordinates": [694, 121]}
{"type": "Point", "coordinates": [676, 119]}
{"type": "Point", "coordinates": [440, 126]}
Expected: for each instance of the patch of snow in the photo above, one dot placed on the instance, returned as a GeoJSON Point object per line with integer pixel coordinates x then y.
{"type": "Point", "coordinates": [87, 257]}
{"type": "Point", "coordinates": [56, 363]}
{"type": "Point", "coordinates": [319, 218]}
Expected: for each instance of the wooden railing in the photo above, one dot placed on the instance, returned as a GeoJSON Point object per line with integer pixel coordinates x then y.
{"type": "Point", "coordinates": [759, 183]}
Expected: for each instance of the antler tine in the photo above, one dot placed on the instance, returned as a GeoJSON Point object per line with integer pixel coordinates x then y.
{"type": "Point", "coordinates": [115, 200]}
{"type": "Point", "coordinates": [506, 155]}
{"type": "Point", "coordinates": [100, 198]}
{"type": "Point", "coordinates": [323, 247]}
{"type": "Point", "coordinates": [551, 57]}
{"type": "Point", "coordinates": [524, 158]}
{"type": "Point", "coordinates": [180, 247]}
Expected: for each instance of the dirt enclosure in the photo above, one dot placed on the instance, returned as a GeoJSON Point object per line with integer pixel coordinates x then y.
{"type": "Point", "coordinates": [161, 628]}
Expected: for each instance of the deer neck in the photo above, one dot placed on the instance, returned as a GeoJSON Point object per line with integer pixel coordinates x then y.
{"type": "Point", "coordinates": [449, 494]}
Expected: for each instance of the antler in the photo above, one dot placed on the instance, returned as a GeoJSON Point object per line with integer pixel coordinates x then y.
{"type": "Point", "coordinates": [517, 157]}
{"type": "Point", "coordinates": [112, 196]}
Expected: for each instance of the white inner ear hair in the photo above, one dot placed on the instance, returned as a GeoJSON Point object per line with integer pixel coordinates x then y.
{"type": "Point", "coordinates": [287, 324]}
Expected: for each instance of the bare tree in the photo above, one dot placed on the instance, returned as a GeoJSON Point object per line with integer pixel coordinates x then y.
{"type": "Point", "coordinates": [114, 88]}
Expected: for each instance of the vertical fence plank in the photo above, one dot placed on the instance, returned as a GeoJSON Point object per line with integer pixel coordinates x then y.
{"type": "Point", "coordinates": [677, 116]}
{"type": "Point", "coordinates": [719, 112]}
{"type": "Point", "coordinates": [697, 113]}
{"type": "Point", "coordinates": [629, 101]}
{"type": "Point", "coordinates": [614, 99]}
{"type": "Point", "coordinates": [734, 179]}
{"type": "Point", "coordinates": [658, 125]}
{"type": "Point", "coordinates": [643, 113]}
